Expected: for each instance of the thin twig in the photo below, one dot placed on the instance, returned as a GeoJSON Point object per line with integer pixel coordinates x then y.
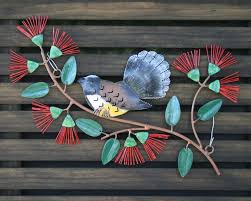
{"type": "Point", "coordinates": [202, 85]}
{"type": "Point", "coordinates": [124, 121]}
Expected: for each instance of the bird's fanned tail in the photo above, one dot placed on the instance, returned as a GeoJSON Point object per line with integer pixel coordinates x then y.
{"type": "Point", "coordinates": [147, 73]}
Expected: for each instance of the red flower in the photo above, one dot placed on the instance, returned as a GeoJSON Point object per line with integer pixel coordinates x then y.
{"type": "Point", "coordinates": [229, 91]}
{"type": "Point", "coordinates": [68, 133]}
{"type": "Point", "coordinates": [44, 115]}
{"type": "Point", "coordinates": [188, 63]}
{"type": "Point", "coordinates": [218, 59]}
{"type": "Point", "coordinates": [62, 44]}
{"type": "Point", "coordinates": [34, 27]}
{"type": "Point", "coordinates": [20, 66]}
{"type": "Point", "coordinates": [153, 143]}
{"type": "Point", "coordinates": [130, 153]}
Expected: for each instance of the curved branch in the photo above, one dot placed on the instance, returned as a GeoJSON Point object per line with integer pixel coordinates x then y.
{"type": "Point", "coordinates": [135, 123]}
{"type": "Point", "coordinates": [202, 85]}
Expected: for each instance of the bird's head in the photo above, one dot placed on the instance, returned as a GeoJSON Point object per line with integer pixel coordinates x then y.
{"type": "Point", "coordinates": [90, 84]}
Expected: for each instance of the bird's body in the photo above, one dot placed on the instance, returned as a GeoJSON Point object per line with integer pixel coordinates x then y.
{"type": "Point", "coordinates": [144, 78]}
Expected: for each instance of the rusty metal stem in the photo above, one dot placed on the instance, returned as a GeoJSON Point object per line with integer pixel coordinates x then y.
{"type": "Point", "coordinates": [202, 85]}
{"type": "Point", "coordinates": [124, 121]}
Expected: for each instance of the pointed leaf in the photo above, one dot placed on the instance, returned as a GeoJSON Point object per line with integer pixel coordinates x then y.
{"type": "Point", "coordinates": [130, 142]}
{"type": "Point", "coordinates": [208, 110]}
{"type": "Point", "coordinates": [89, 127]}
{"type": "Point", "coordinates": [194, 75]}
{"type": "Point", "coordinates": [185, 161]}
{"type": "Point", "coordinates": [110, 150]}
{"type": "Point", "coordinates": [172, 114]}
{"type": "Point", "coordinates": [69, 71]}
{"type": "Point", "coordinates": [68, 122]}
{"type": "Point", "coordinates": [36, 90]}
{"type": "Point", "coordinates": [142, 136]}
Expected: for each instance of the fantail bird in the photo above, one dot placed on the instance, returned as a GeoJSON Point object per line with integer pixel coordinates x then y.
{"type": "Point", "coordinates": [146, 76]}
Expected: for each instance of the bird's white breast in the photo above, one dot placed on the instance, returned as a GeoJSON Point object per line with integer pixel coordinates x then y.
{"type": "Point", "coordinates": [96, 101]}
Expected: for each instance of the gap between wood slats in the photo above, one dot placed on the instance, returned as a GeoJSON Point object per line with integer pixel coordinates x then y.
{"type": "Point", "coordinates": [125, 198]}
{"type": "Point", "coordinates": [146, 10]}
{"type": "Point", "coordinates": [226, 123]}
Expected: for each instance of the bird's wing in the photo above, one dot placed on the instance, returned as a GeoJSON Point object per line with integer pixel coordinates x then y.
{"type": "Point", "coordinates": [121, 96]}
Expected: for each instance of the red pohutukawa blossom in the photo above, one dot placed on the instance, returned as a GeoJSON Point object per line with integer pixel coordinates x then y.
{"type": "Point", "coordinates": [153, 143]}
{"type": "Point", "coordinates": [188, 63]}
{"type": "Point", "coordinates": [44, 115]}
{"type": "Point", "coordinates": [62, 44]}
{"type": "Point", "coordinates": [218, 59]}
{"type": "Point", "coordinates": [229, 91]}
{"type": "Point", "coordinates": [34, 27]}
{"type": "Point", "coordinates": [68, 133]}
{"type": "Point", "coordinates": [130, 153]}
{"type": "Point", "coordinates": [19, 66]}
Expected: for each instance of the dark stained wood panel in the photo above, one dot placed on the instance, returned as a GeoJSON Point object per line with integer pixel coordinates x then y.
{"type": "Point", "coordinates": [140, 36]}
{"type": "Point", "coordinates": [111, 64]}
{"type": "Point", "coordinates": [145, 10]}
{"type": "Point", "coordinates": [123, 178]}
{"type": "Point", "coordinates": [90, 150]}
{"type": "Point", "coordinates": [10, 94]}
{"type": "Point", "coordinates": [227, 123]}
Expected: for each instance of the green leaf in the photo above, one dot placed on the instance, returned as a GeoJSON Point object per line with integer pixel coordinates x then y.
{"type": "Point", "coordinates": [172, 114]}
{"type": "Point", "coordinates": [68, 121]}
{"type": "Point", "coordinates": [38, 40]}
{"type": "Point", "coordinates": [142, 136]}
{"type": "Point", "coordinates": [69, 71]}
{"type": "Point", "coordinates": [212, 69]}
{"type": "Point", "coordinates": [208, 110]}
{"type": "Point", "coordinates": [194, 75]}
{"type": "Point", "coordinates": [55, 52]}
{"type": "Point", "coordinates": [110, 150]}
{"type": "Point", "coordinates": [89, 127]}
{"type": "Point", "coordinates": [185, 161]}
{"type": "Point", "coordinates": [130, 142]}
{"type": "Point", "coordinates": [32, 66]}
{"type": "Point", "coordinates": [55, 112]}
{"type": "Point", "coordinates": [36, 90]}
{"type": "Point", "coordinates": [215, 86]}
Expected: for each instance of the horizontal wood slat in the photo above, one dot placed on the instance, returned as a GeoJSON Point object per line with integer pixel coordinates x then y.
{"type": "Point", "coordinates": [10, 94]}
{"type": "Point", "coordinates": [114, 64]}
{"type": "Point", "coordinates": [123, 178]}
{"type": "Point", "coordinates": [226, 122]}
{"type": "Point", "coordinates": [107, 10]}
{"type": "Point", "coordinates": [123, 198]}
{"type": "Point", "coordinates": [90, 150]}
{"type": "Point", "coordinates": [139, 36]}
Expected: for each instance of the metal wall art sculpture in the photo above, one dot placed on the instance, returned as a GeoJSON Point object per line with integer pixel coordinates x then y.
{"type": "Point", "coordinates": [146, 77]}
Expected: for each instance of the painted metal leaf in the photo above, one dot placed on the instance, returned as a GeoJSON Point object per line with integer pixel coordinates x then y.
{"type": "Point", "coordinates": [36, 90]}
{"type": "Point", "coordinates": [173, 112]}
{"type": "Point", "coordinates": [185, 161]}
{"type": "Point", "coordinates": [208, 110]}
{"type": "Point", "coordinates": [110, 150]}
{"type": "Point", "coordinates": [89, 127]}
{"type": "Point", "coordinates": [69, 71]}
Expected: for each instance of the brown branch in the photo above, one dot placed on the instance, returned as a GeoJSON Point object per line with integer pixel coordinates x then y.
{"type": "Point", "coordinates": [134, 123]}
{"type": "Point", "coordinates": [202, 85]}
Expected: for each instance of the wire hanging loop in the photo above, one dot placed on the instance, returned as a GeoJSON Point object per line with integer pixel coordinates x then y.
{"type": "Point", "coordinates": [210, 148]}
{"type": "Point", "coordinates": [56, 71]}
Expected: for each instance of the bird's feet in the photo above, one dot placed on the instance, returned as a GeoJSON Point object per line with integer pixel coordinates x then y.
{"type": "Point", "coordinates": [102, 112]}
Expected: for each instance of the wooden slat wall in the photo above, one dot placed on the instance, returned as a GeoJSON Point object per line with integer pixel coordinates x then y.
{"type": "Point", "coordinates": [33, 167]}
